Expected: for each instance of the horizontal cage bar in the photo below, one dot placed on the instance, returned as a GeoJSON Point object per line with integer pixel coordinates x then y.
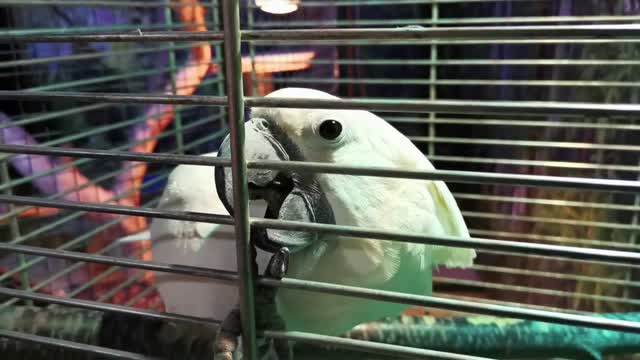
{"type": "Point", "coordinates": [222, 275]}
{"type": "Point", "coordinates": [109, 3]}
{"type": "Point", "coordinates": [586, 254]}
{"type": "Point", "coordinates": [578, 253]}
{"type": "Point", "coordinates": [429, 301]}
{"type": "Point", "coordinates": [598, 31]}
{"type": "Point", "coordinates": [457, 305]}
{"type": "Point", "coordinates": [323, 3]}
{"type": "Point", "coordinates": [159, 158]}
{"type": "Point", "coordinates": [94, 305]}
{"type": "Point", "coordinates": [367, 346]}
{"type": "Point", "coordinates": [75, 346]}
{"type": "Point", "coordinates": [439, 106]}
{"type": "Point", "coordinates": [446, 21]}
{"type": "Point", "coordinates": [443, 175]}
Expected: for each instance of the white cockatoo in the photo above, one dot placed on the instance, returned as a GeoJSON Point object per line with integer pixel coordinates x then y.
{"type": "Point", "coordinates": [345, 137]}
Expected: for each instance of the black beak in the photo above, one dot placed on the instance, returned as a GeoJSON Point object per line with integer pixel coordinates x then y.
{"type": "Point", "coordinates": [289, 195]}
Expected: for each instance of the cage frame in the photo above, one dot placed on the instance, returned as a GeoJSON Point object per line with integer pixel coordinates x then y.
{"type": "Point", "coordinates": [235, 102]}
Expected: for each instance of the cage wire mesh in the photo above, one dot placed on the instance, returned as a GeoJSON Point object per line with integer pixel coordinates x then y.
{"type": "Point", "coordinates": [556, 68]}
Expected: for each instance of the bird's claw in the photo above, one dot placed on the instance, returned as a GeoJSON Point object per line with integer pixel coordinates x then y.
{"type": "Point", "coordinates": [277, 269]}
{"type": "Point", "coordinates": [230, 330]}
{"type": "Point", "coordinates": [278, 264]}
{"type": "Point", "coordinates": [226, 342]}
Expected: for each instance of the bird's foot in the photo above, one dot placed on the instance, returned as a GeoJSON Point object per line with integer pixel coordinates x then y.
{"type": "Point", "coordinates": [278, 264]}
{"type": "Point", "coordinates": [277, 269]}
{"type": "Point", "coordinates": [227, 341]}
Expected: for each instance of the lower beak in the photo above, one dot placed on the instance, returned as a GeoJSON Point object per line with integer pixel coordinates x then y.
{"type": "Point", "coordinates": [289, 195]}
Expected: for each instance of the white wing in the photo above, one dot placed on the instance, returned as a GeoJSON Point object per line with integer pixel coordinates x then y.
{"type": "Point", "coordinates": [192, 188]}
{"type": "Point", "coordinates": [453, 224]}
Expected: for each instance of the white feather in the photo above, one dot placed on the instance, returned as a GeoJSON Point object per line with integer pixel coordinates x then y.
{"type": "Point", "coordinates": [391, 204]}
{"type": "Point", "coordinates": [417, 206]}
{"type": "Point", "coordinates": [192, 188]}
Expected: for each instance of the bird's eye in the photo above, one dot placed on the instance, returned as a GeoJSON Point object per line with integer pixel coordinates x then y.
{"type": "Point", "coordinates": [330, 129]}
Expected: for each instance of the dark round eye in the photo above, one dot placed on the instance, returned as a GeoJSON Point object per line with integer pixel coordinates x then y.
{"type": "Point", "coordinates": [330, 129]}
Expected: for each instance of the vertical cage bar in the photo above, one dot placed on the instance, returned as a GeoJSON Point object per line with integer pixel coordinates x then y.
{"type": "Point", "coordinates": [635, 219]}
{"type": "Point", "coordinates": [433, 76]}
{"type": "Point", "coordinates": [233, 77]}
{"type": "Point", "coordinates": [177, 118]}
{"type": "Point", "coordinates": [633, 239]}
{"type": "Point", "coordinates": [252, 50]}
{"type": "Point", "coordinates": [215, 15]}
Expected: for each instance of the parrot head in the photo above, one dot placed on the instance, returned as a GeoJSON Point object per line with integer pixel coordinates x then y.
{"type": "Point", "coordinates": [348, 137]}
{"type": "Point", "coordinates": [289, 195]}
{"type": "Point", "coordinates": [352, 138]}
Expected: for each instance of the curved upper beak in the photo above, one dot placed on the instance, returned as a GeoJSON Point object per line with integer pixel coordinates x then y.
{"type": "Point", "coordinates": [289, 195]}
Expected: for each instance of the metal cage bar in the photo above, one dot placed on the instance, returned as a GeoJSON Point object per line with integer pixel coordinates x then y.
{"type": "Point", "coordinates": [366, 346]}
{"type": "Point", "coordinates": [418, 106]}
{"type": "Point", "coordinates": [74, 346]}
{"type": "Point", "coordinates": [612, 256]}
{"type": "Point", "coordinates": [444, 175]}
{"type": "Point", "coordinates": [235, 97]}
{"type": "Point", "coordinates": [600, 31]}
{"type": "Point", "coordinates": [95, 305]}
{"type": "Point", "coordinates": [432, 301]}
